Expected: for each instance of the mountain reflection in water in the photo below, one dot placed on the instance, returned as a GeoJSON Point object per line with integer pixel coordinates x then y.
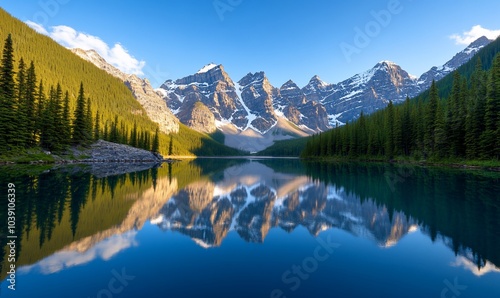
{"type": "Point", "coordinates": [72, 217]}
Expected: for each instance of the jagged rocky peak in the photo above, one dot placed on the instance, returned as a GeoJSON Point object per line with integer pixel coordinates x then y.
{"type": "Point", "coordinates": [316, 84]}
{"type": "Point", "coordinates": [207, 68]}
{"type": "Point", "coordinates": [88, 54]}
{"type": "Point", "coordinates": [389, 67]}
{"type": "Point", "coordinates": [290, 93]}
{"type": "Point", "coordinates": [387, 63]}
{"type": "Point", "coordinates": [478, 44]}
{"type": "Point", "coordinates": [257, 96]}
{"type": "Point", "coordinates": [317, 89]}
{"type": "Point", "coordinates": [289, 85]}
{"type": "Point", "coordinates": [253, 78]}
{"type": "Point", "coordinates": [210, 74]}
{"type": "Point", "coordinates": [292, 102]}
{"type": "Point", "coordinates": [317, 81]}
{"type": "Point", "coordinates": [398, 77]}
{"type": "Point", "coordinates": [367, 92]}
{"type": "Point", "coordinates": [212, 87]}
{"type": "Point", "coordinates": [166, 85]}
{"type": "Point", "coordinates": [436, 73]}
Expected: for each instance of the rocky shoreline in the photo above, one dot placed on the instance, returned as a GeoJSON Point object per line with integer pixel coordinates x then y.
{"type": "Point", "coordinates": [99, 152]}
{"type": "Point", "coordinates": [103, 151]}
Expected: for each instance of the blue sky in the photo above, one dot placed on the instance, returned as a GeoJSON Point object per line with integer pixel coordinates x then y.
{"type": "Point", "coordinates": [287, 39]}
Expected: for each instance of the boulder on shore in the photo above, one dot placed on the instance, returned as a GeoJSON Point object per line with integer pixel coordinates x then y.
{"type": "Point", "coordinates": [103, 151]}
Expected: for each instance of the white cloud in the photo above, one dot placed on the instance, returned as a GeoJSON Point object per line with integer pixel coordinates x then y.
{"type": "Point", "coordinates": [117, 55]}
{"type": "Point", "coordinates": [37, 27]}
{"type": "Point", "coordinates": [468, 37]}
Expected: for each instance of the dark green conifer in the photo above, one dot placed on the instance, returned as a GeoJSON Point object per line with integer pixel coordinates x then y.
{"type": "Point", "coordinates": [7, 96]}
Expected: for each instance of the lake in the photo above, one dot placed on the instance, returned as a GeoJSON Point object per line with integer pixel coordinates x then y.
{"type": "Point", "coordinates": [252, 228]}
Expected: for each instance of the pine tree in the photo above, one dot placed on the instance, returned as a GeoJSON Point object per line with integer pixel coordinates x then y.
{"type": "Point", "coordinates": [7, 95]}
{"type": "Point", "coordinates": [105, 132]}
{"type": "Point", "coordinates": [155, 147]}
{"type": "Point", "coordinates": [21, 80]}
{"type": "Point", "coordinates": [51, 136]}
{"type": "Point", "coordinates": [21, 136]}
{"type": "Point", "coordinates": [89, 123]}
{"type": "Point", "coordinates": [97, 127]}
{"type": "Point", "coordinates": [57, 143]}
{"type": "Point", "coordinates": [470, 138]}
{"type": "Point", "coordinates": [418, 119]}
{"type": "Point", "coordinates": [362, 135]}
{"type": "Point", "coordinates": [66, 122]}
{"type": "Point", "coordinates": [31, 105]}
{"type": "Point", "coordinates": [123, 133]}
{"type": "Point", "coordinates": [141, 140]}
{"type": "Point", "coordinates": [133, 136]}
{"type": "Point", "coordinates": [171, 145]}
{"type": "Point", "coordinates": [329, 147]}
{"type": "Point", "coordinates": [455, 124]}
{"type": "Point", "coordinates": [406, 128]}
{"type": "Point", "coordinates": [40, 108]}
{"type": "Point", "coordinates": [389, 130]}
{"type": "Point", "coordinates": [430, 118]}
{"type": "Point", "coordinates": [440, 135]}
{"type": "Point", "coordinates": [476, 111]}
{"type": "Point", "coordinates": [80, 126]}
{"type": "Point", "coordinates": [398, 133]}
{"type": "Point", "coordinates": [489, 137]}
{"type": "Point", "coordinates": [351, 137]}
{"type": "Point", "coordinates": [147, 141]}
{"type": "Point", "coordinates": [462, 111]}
{"type": "Point", "coordinates": [113, 133]}
{"type": "Point", "coordinates": [7, 84]}
{"type": "Point", "coordinates": [47, 121]}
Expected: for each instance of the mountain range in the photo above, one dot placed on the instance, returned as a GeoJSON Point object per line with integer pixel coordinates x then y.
{"type": "Point", "coordinates": [253, 114]}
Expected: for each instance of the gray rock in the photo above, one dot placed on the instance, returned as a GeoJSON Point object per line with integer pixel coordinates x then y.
{"type": "Point", "coordinates": [103, 151]}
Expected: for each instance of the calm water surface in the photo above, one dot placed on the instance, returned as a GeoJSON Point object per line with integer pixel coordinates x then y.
{"type": "Point", "coordinates": [254, 228]}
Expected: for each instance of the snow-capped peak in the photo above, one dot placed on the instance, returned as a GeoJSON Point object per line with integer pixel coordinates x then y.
{"type": "Point", "coordinates": [390, 63]}
{"type": "Point", "coordinates": [478, 44]}
{"type": "Point", "coordinates": [386, 64]}
{"type": "Point", "coordinates": [317, 81]}
{"type": "Point", "coordinates": [207, 68]}
{"type": "Point", "coordinates": [437, 73]}
{"type": "Point", "coordinates": [289, 85]}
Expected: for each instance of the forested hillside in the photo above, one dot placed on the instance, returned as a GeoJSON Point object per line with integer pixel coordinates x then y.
{"type": "Point", "coordinates": [486, 55]}
{"type": "Point", "coordinates": [54, 78]}
{"type": "Point", "coordinates": [469, 102]}
{"type": "Point", "coordinates": [463, 125]}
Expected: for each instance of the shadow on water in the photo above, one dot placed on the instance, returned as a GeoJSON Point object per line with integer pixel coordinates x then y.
{"type": "Point", "coordinates": [463, 206]}
{"type": "Point", "coordinates": [63, 206]}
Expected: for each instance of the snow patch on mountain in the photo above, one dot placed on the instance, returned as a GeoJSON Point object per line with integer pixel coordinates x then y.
{"type": "Point", "coordinates": [207, 68]}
